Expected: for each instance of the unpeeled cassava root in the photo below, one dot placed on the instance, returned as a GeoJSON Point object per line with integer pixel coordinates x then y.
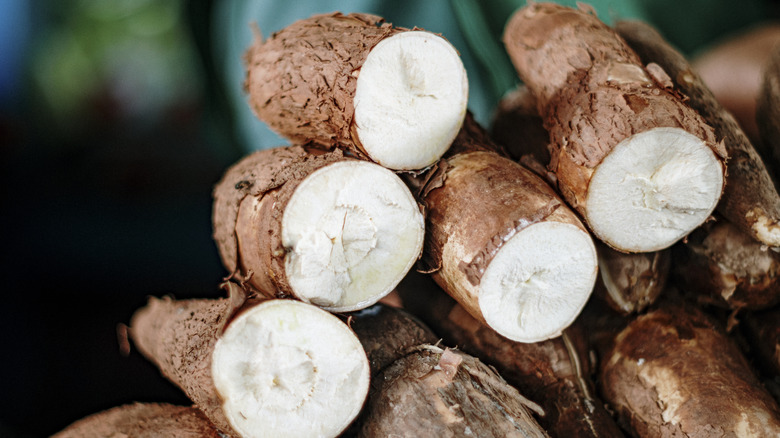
{"type": "Point", "coordinates": [768, 110]}
{"type": "Point", "coordinates": [143, 420]}
{"type": "Point", "coordinates": [641, 167]}
{"type": "Point", "coordinates": [336, 232]}
{"type": "Point", "coordinates": [750, 200]}
{"type": "Point", "coordinates": [395, 95]}
{"type": "Point", "coordinates": [629, 282]}
{"type": "Point", "coordinates": [728, 268]}
{"type": "Point", "coordinates": [554, 374]}
{"type": "Point", "coordinates": [258, 367]}
{"type": "Point", "coordinates": [672, 372]}
{"type": "Point", "coordinates": [502, 243]}
{"type": "Point", "coordinates": [422, 389]}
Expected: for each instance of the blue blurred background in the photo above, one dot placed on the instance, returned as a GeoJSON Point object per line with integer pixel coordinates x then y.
{"type": "Point", "coordinates": [117, 118]}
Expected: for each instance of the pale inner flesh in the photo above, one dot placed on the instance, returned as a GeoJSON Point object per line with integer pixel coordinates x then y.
{"type": "Point", "coordinates": [352, 230]}
{"type": "Point", "coordinates": [410, 100]}
{"type": "Point", "coordinates": [538, 282]}
{"type": "Point", "coordinates": [653, 189]}
{"type": "Point", "coordinates": [286, 368]}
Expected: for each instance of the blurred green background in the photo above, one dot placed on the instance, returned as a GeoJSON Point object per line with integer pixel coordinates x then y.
{"type": "Point", "coordinates": [117, 118]}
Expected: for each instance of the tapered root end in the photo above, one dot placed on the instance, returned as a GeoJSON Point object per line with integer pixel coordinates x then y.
{"type": "Point", "coordinates": [352, 231]}
{"type": "Point", "coordinates": [410, 100]}
{"type": "Point", "coordinates": [653, 189]}
{"type": "Point", "coordinates": [539, 281]}
{"type": "Point", "coordinates": [285, 368]}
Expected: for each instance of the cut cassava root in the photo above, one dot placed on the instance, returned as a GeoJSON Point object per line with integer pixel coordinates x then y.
{"type": "Point", "coordinates": [641, 167]}
{"type": "Point", "coordinates": [143, 420]}
{"type": "Point", "coordinates": [673, 372]}
{"type": "Point", "coordinates": [750, 200]}
{"type": "Point", "coordinates": [335, 232]}
{"type": "Point", "coordinates": [267, 368]}
{"type": "Point", "coordinates": [421, 389]}
{"type": "Point", "coordinates": [395, 95]}
{"type": "Point", "coordinates": [502, 243]}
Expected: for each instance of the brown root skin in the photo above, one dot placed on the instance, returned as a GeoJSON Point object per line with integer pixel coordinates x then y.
{"type": "Point", "coordinates": [768, 112]}
{"type": "Point", "coordinates": [732, 69]}
{"type": "Point", "coordinates": [460, 239]}
{"type": "Point", "coordinates": [143, 420]}
{"type": "Point", "coordinates": [728, 268]}
{"type": "Point", "coordinates": [750, 200]}
{"type": "Point", "coordinates": [445, 392]}
{"type": "Point", "coordinates": [318, 84]}
{"type": "Point", "coordinates": [593, 93]}
{"type": "Point", "coordinates": [629, 283]}
{"type": "Point", "coordinates": [253, 177]}
{"type": "Point", "coordinates": [179, 337]}
{"type": "Point", "coordinates": [553, 373]}
{"type": "Point", "coordinates": [388, 333]}
{"type": "Point", "coordinates": [672, 372]}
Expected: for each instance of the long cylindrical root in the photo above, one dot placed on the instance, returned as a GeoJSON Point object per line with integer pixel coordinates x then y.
{"type": "Point", "coordinates": [641, 167]}
{"type": "Point", "coordinates": [630, 283]}
{"type": "Point", "coordinates": [435, 391]}
{"type": "Point", "coordinates": [553, 373]}
{"type": "Point", "coordinates": [335, 232]}
{"type": "Point", "coordinates": [395, 95]}
{"type": "Point", "coordinates": [503, 244]}
{"type": "Point", "coordinates": [750, 200]}
{"type": "Point", "coordinates": [673, 373]}
{"type": "Point", "coordinates": [278, 368]}
{"type": "Point", "coordinates": [143, 420]}
{"type": "Point", "coordinates": [729, 268]}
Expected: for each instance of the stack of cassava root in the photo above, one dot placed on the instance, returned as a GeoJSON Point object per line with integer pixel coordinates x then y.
{"type": "Point", "coordinates": [614, 169]}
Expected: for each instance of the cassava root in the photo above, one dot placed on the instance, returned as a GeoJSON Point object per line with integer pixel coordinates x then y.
{"type": "Point", "coordinates": [258, 367]}
{"type": "Point", "coordinates": [395, 95]}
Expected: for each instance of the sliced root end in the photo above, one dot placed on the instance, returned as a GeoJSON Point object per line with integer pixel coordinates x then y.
{"type": "Point", "coordinates": [653, 189]}
{"type": "Point", "coordinates": [538, 282]}
{"type": "Point", "coordinates": [286, 368]}
{"type": "Point", "coordinates": [353, 230]}
{"type": "Point", "coordinates": [410, 100]}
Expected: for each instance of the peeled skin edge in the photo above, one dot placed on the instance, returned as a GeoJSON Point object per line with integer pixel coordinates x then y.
{"type": "Point", "coordinates": [539, 281]}
{"type": "Point", "coordinates": [352, 230]}
{"type": "Point", "coordinates": [410, 100]}
{"type": "Point", "coordinates": [286, 368]}
{"type": "Point", "coordinates": [653, 189]}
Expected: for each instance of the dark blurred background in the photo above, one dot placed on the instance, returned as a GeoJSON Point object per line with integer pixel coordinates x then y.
{"type": "Point", "coordinates": [117, 118]}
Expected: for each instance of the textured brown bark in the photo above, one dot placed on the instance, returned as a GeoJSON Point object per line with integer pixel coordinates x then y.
{"type": "Point", "coordinates": [474, 199]}
{"type": "Point", "coordinates": [749, 199]}
{"type": "Point", "coordinates": [768, 111]}
{"type": "Point", "coordinates": [302, 80]}
{"type": "Point", "coordinates": [554, 374]}
{"type": "Point", "coordinates": [143, 420]}
{"type": "Point", "coordinates": [674, 373]}
{"type": "Point", "coordinates": [179, 337]}
{"type": "Point", "coordinates": [728, 268]}
{"type": "Point", "coordinates": [419, 388]}
{"type": "Point", "coordinates": [592, 91]}
{"type": "Point", "coordinates": [629, 283]}
{"type": "Point", "coordinates": [762, 330]}
{"type": "Point", "coordinates": [248, 205]}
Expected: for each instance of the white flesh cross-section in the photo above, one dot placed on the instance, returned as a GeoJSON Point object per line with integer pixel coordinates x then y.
{"type": "Point", "coordinates": [352, 230]}
{"type": "Point", "coordinates": [539, 281]}
{"type": "Point", "coordinates": [410, 100]}
{"type": "Point", "coordinates": [286, 368]}
{"type": "Point", "coordinates": [653, 189]}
